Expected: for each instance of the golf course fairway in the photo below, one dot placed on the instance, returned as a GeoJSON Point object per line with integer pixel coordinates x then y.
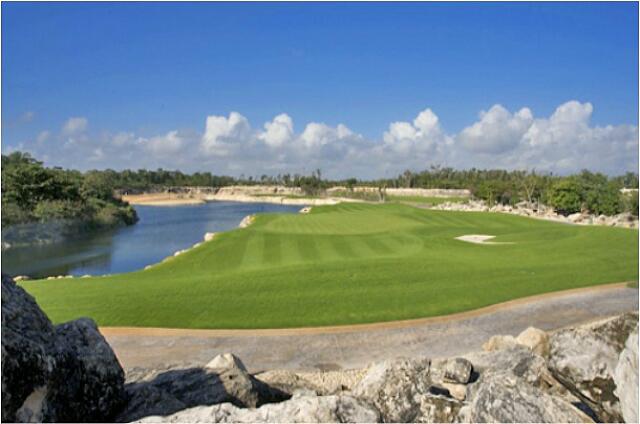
{"type": "Point", "coordinates": [346, 264]}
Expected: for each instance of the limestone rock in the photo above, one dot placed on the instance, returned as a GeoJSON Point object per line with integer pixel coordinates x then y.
{"type": "Point", "coordinates": [457, 370]}
{"type": "Point", "coordinates": [246, 221]}
{"type": "Point", "coordinates": [499, 342]}
{"type": "Point", "coordinates": [402, 390]}
{"type": "Point", "coordinates": [519, 362]}
{"type": "Point", "coordinates": [394, 387]}
{"type": "Point", "coordinates": [223, 380]}
{"type": "Point", "coordinates": [287, 381]}
{"type": "Point", "coordinates": [584, 359]}
{"type": "Point", "coordinates": [303, 409]}
{"type": "Point", "coordinates": [626, 379]}
{"type": "Point", "coordinates": [209, 236]}
{"type": "Point", "coordinates": [226, 361]}
{"type": "Point", "coordinates": [321, 382]}
{"type": "Point", "coordinates": [457, 391]}
{"type": "Point", "coordinates": [505, 397]}
{"type": "Point", "coordinates": [437, 409]}
{"type": "Point", "coordinates": [536, 340]}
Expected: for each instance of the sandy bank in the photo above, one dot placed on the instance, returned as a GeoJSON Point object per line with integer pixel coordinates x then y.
{"type": "Point", "coordinates": [174, 199]}
{"type": "Point", "coordinates": [162, 199]}
{"type": "Point", "coordinates": [281, 200]}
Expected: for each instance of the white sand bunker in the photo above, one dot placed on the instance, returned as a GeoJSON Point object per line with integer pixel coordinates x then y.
{"type": "Point", "coordinates": [480, 239]}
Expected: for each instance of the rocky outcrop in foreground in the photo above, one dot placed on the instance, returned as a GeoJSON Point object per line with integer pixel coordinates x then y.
{"type": "Point", "coordinates": [69, 373]}
{"type": "Point", "coordinates": [55, 373]}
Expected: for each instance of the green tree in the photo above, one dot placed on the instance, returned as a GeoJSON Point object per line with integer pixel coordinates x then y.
{"type": "Point", "coordinates": [564, 196]}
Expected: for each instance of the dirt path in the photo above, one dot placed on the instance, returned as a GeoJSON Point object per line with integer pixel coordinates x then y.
{"type": "Point", "coordinates": [355, 346]}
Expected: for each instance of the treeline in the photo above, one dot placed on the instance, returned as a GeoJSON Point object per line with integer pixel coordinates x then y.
{"type": "Point", "coordinates": [148, 180]}
{"type": "Point", "coordinates": [586, 191]}
{"type": "Point", "coordinates": [34, 193]}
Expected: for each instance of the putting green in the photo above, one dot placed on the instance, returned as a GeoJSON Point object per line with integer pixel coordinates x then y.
{"type": "Point", "coordinates": [346, 264]}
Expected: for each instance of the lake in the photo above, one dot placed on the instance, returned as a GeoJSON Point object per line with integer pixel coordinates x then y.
{"type": "Point", "coordinates": [160, 232]}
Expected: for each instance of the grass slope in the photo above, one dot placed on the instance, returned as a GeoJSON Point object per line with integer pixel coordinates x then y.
{"type": "Point", "coordinates": [350, 263]}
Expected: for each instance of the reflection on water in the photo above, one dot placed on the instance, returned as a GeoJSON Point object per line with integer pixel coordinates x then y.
{"type": "Point", "coordinates": [160, 232]}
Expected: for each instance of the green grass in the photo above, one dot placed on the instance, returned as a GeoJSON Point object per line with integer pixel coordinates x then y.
{"type": "Point", "coordinates": [349, 263]}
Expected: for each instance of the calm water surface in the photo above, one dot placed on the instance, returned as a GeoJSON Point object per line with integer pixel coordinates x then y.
{"type": "Point", "coordinates": [159, 233]}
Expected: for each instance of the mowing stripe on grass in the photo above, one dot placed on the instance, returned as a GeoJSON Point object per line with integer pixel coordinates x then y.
{"type": "Point", "coordinates": [349, 264]}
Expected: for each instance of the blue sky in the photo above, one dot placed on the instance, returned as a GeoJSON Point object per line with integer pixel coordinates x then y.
{"type": "Point", "coordinates": [152, 74]}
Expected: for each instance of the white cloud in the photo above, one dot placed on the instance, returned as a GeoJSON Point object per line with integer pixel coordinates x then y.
{"type": "Point", "coordinates": [223, 135]}
{"type": "Point", "coordinates": [75, 125]}
{"type": "Point", "coordinates": [564, 142]}
{"type": "Point", "coordinates": [278, 132]}
{"type": "Point", "coordinates": [123, 138]}
{"type": "Point", "coordinates": [497, 131]}
{"type": "Point", "coordinates": [424, 134]}
{"type": "Point", "coordinates": [170, 143]}
{"type": "Point", "coordinates": [317, 134]}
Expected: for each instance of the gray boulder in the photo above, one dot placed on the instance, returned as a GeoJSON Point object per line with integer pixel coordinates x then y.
{"type": "Point", "coordinates": [626, 379]}
{"type": "Point", "coordinates": [321, 382]}
{"type": "Point", "coordinates": [146, 400]}
{"type": "Point", "coordinates": [93, 388]}
{"type": "Point", "coordinates": [584, 360]}
{"type": "Point", "coordinates": [504, 397]}
{"type": "Point", "coordinates": [457, 370]}
{"type": "Point", "coordinates": [402, 391]}
{"type": "Point", "coordinates": [223, 380]}
{"type": "Point", "coordinates": [518, 361]}
{"type": "Point", "coordinates": [28, 362]}
{"type": "Point", "coordinates": [303, 409]}
{"type": "Point", "coordinates": [63, 373]}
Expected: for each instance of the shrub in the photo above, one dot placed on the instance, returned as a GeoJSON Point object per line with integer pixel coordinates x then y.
{"type": "Point", "coordinates": [564, 196]}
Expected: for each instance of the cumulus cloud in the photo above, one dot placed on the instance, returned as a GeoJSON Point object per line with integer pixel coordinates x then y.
{"type": "Point", "coordinates": [565, 141]}
{"type": "Point", "coordinates": [278, 132]}
{"type": "Point", "coordinates": [167, 144]}
{"type": "Point", "coordinates": [317, 134]}
{"type": "Point", "coordinates": [75, 125]}
{"type": "Point", "coordinates": [222, 136]}
{"type": "Point", "coordinates": [422, 135]}
{"type": "Point", "coordinates": [498, 130]}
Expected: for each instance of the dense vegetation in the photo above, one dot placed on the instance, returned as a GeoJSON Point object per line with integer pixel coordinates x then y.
{"type": "Point", "coordinates": [586, 191]}
{"type": "Point", "coordinates": [349, 263]}
{"type": "Point", "coordinates": [34, 193]}
{"type": "Point", "coordinates": [593, 192]}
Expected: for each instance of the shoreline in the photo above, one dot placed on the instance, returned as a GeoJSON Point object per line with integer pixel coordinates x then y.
{"type": "Point", "coordinates": [177, 200]}
{"type": "Point", "coordinates": [174, 199]}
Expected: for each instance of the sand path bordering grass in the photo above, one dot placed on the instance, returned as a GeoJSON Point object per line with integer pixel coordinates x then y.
{"type": "Point", "coordinates": [173, 332]}
{"type": "Point", "coordinates": [355, 346]}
